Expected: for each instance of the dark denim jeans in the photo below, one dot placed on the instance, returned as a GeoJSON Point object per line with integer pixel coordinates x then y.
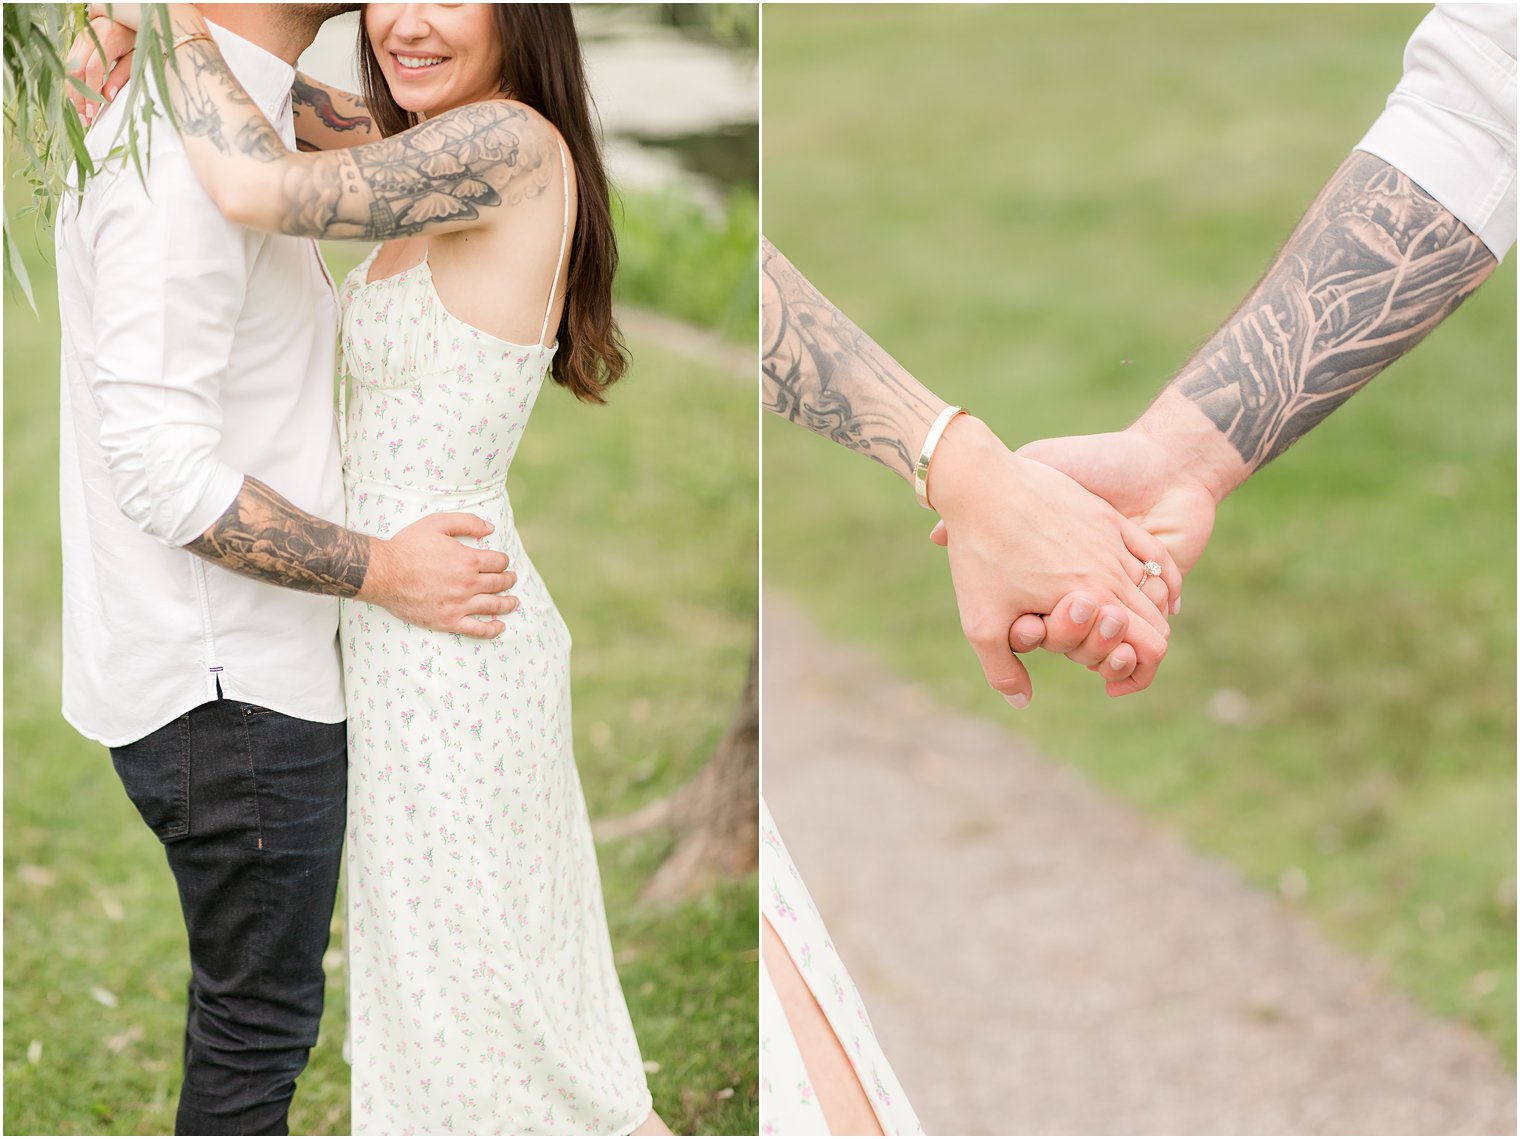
{"type": "Point", "coordinates": [250, 807]}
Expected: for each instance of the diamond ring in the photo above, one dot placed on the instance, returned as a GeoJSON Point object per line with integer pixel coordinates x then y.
{"type": "Point", "coordinates": [1152, 569]}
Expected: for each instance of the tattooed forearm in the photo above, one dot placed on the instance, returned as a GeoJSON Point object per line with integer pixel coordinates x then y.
{"type": "Point", "coordinates": [820, 370]}
{"type": "Point", "coordinates": [440, 175]}
{"type": "Point", "coordinates": [263, 536]}
{"type": "Point", "coordinates": [1375, 264]}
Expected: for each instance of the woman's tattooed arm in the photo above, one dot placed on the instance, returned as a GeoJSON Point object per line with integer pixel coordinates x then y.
{"type": "Point", "coordinates": [1374, 265]}
{"type": "Point", "coordinates": [263, 536]}
{"type": "Point", "coordinates": [438, 177]}
{"type": "Point", "coordinates": [823, 372]}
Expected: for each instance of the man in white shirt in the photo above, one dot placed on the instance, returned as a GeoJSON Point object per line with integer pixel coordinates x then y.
{"type": "Point", "coordinates": [201, 481]}
{"type": "Point", "coordinates": [1414, 220]}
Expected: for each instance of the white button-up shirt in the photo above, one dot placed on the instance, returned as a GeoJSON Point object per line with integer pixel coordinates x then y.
{"type": "Point", "coordinates": [1450, 123]}
{"type": "Point", "coordinates": [194, 351]}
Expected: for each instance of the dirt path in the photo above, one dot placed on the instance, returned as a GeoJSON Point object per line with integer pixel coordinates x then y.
{"type": "Point", "coordinates": [1041, 960]}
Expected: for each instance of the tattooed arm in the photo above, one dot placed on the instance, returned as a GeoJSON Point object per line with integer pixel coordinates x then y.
{"type": "Point", "coordinates": [823, 372]}
{"type": "Point", "coordinates": [1023, 541]}
{"type": "Point", "coordinates": [446, 175]}
{"type": "Point", "coordinates": [1374, 265]}
{"type": "Point", "coordinates": [327, 118]}
{"type": "Point", "coordinates": [423, 574]}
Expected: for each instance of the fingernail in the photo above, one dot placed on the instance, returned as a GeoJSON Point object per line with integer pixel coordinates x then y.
{"type": "Point", "coordinates": [110, 91]}
{"type": "Point", "coordinates": [1082, 609]}
{"type": "Point", "coordinates": [1018, 699]}
{"type": "Point", "coordinates": [1029, 640]}
{"type": "Point", "coordinates": [1109, 627]}
{"type": "Point", "coordinates": [1176, 605]}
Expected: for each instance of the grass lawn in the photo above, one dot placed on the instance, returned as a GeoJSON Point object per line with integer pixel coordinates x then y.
{"type": "Point", "coordinates": [1041, 211]}
{"type": "Point", "coordinates": [641, 516]}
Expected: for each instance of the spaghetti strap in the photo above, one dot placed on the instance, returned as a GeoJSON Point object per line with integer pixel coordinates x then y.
{"type": "Point", "coordinates": [564, 239]}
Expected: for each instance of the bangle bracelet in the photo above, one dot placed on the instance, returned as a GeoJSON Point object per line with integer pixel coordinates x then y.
{"type": "Point", "coordinates": [188, 38]}
{"type": "Point", "coordinates": [931, 440]}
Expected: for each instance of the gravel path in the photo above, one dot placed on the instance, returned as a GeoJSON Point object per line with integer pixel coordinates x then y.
{"type": "Point", "coordinates": [1039, 959]}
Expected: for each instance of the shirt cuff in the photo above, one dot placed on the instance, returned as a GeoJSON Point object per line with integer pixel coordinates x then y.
{"type": "Point", "coordinates": [221, 490]}
{"type": "Point", "coordinates": [1457, 162]}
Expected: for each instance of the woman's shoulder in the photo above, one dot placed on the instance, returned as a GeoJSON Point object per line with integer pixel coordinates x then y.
{"type": "Point", "coordinates": [490, 123]}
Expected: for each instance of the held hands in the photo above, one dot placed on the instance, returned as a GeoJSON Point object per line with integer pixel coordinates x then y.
{"type": "Point", "coordinates": [425, 576]}
{"type": "Point", "coordinates": [1028, 538]}
{"type": "Point", "coordinates": [1145, 481]}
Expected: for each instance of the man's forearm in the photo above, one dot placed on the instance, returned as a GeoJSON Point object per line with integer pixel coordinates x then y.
{"type": "Point", "coordinates": [327, 118]}
{"type": "Point", "coordinates": [1374, 265]}
{"type": "Point", "coordinates": [821, 371]}
{"type": "Point", "coordinates": [263, 536]}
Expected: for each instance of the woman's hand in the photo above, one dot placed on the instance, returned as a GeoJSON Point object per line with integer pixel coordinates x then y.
{"type": "Point", "coordinates": [1022, 537]}
{"type": "Point", "coordinates": [103, 73]}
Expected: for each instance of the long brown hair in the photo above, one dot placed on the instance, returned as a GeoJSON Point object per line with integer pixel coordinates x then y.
{"type": "Point", "coordinates": [541, 67]}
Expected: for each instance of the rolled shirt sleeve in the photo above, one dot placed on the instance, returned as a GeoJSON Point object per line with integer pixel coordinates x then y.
{"type": "Point", "coordinates": [176, 273]}
{"type": "Point", "coordinates": [1450, 123]}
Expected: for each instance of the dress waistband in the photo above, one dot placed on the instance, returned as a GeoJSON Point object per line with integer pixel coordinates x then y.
{"type": "Point", "coordinates": [447, 497]}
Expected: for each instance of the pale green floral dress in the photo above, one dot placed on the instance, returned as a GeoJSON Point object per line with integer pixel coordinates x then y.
{"type": "Point", "coordinates": [483, 995]}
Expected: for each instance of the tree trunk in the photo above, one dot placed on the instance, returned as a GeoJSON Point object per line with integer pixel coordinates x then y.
{"type": "Point", "coordinates": [715, 817]}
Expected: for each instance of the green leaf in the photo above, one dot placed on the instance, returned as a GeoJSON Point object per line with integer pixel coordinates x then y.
{"type": "Point", "coordinates": [15, 267]}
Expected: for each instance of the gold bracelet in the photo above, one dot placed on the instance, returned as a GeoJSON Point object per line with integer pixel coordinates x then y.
{"type": "Point", "coordinates": [931, 440]}
{"type": "Point", "coordinates": [188, 38]}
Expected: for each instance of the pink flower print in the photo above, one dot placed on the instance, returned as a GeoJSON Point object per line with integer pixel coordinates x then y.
{"type": "Point", "coordinates": [780, 905]}
{"type": "Point", "coordinates": [805, 1092]}
{"type": "Point", "coordinates": [517, 1007]}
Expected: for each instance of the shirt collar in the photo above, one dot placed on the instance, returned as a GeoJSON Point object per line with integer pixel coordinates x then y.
{"type": "Point", "coordinates": [265, 76]}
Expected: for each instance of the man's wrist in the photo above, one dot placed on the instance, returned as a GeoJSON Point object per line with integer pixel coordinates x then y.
{"type": "Point", "coordinates": [378, 573]}
{"type": "Point", "coordinates": [1195, 450]}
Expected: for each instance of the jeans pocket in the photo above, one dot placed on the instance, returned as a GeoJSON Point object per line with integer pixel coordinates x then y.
{"type": "Point", "coordinates": [155, 771]}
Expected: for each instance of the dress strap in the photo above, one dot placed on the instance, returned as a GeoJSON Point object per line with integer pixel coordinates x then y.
{"type": "Point", "coordinates": [564, 239]}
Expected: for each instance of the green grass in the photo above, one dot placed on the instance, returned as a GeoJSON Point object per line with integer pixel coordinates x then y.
{"type": "Point", "coordinates": [642, 518]}
{"type": "Point", "coordinates": [1042, 210]}
{"type": "Point", "coordinates": [675, 258]}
